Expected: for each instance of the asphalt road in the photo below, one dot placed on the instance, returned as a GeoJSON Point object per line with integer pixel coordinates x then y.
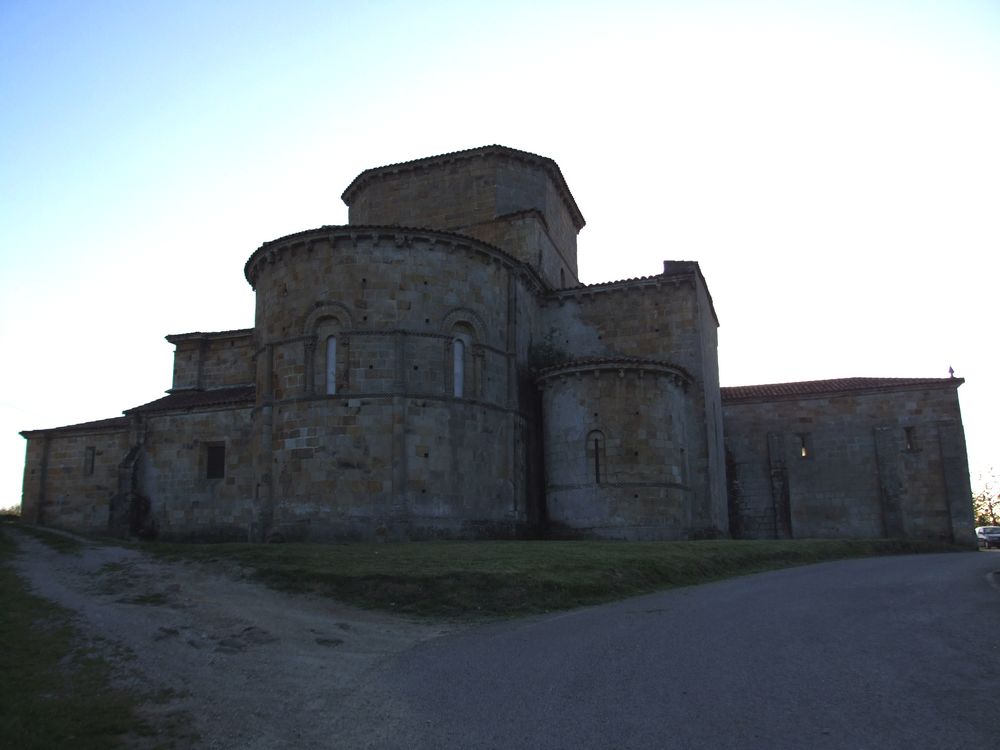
{"type": "Point", "coordinates": [879, 653]}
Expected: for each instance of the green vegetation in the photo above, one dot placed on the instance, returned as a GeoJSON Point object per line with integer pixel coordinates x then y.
{"type": "Point", "coordinates": [57, 541]}
{"type": "Point", "coordinates": [497, 579]}
{"type": "Point", "coordinates": [986, 503]}
{"type": "Point", "coordinates": [54, 693]}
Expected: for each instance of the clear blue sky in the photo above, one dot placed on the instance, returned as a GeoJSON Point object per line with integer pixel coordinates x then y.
{"type": "Point", "coordinates": [834, 166]}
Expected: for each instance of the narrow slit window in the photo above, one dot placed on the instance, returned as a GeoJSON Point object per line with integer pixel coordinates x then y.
{"type": "Point", "coordinates": [458, 368]}
{"type": "Point", "coordinates": [88, 460]}
{"type": "Point", "coordinates": [331, 365]}
{"type": "Point", "coordinates": [595, 456]}
{"type": "Point", "coordinates": [804, 449]}
{"type": "Point", "coordinates": [909, 438]}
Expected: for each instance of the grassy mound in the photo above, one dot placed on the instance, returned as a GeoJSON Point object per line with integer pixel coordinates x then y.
{"type": "Point", "coordinates": [499, 579]}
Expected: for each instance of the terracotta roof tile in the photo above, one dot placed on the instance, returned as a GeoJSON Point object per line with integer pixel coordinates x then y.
{"type": "Point", "coordinates": [808, 388]}
{"type": "Point", "coordinates": [599, 284]}
{"type": "Point", "coordinates": [242, 395]}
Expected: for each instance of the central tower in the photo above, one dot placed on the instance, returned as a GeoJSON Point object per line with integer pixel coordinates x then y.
{"type": "Point", "coordinates": [512, 199]}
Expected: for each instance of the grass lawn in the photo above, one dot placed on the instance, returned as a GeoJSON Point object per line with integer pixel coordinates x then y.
{"type": "Point", "coordinates": [470, 580]}
{"type": "Point", "coordinates": [56, 693]}
{"type": "Point", "coordinates": [53, 692]}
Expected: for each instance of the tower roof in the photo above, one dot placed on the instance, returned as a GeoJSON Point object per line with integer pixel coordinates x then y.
{"type": "Point", "coordinates": [543, 162]}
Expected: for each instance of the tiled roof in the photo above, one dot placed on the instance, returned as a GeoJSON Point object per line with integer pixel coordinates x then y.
{"type": "Point", "coordinates": [119, 423]}
{"type": "Point", "coordinates": [242, 395]}
{"type": "Point", "coordinates": [235, 333]}
{"type": "Point", "coordinates": [545, 162]}
{"type": "Point", "coordinates": [599, 284]}
{"type": "Point", "coordinates": [809, 388]}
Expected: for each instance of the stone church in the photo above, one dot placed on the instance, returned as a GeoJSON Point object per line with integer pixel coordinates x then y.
{"type": "Point", "coordinates": [435, 369]}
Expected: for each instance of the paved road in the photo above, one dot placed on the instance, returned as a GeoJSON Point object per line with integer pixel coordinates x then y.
{"type": "Point", "coordinates": [883, 653]}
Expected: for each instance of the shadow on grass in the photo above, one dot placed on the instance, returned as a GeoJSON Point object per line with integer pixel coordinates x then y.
{"type": "Point", "coordinates": [483, 580]}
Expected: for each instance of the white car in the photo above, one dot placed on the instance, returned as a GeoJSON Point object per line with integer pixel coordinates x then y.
{"type": "Point", "coordinates": [988, 536]}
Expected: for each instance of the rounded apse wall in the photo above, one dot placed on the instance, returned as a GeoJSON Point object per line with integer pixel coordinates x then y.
{"type": "Point", "coordinates": [616, 449]}
{"type": "Point", "coordinates": [384, 372]}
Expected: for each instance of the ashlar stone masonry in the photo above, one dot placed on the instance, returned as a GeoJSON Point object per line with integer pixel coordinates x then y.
{"type": "Point", "coordinates": [434, 368]}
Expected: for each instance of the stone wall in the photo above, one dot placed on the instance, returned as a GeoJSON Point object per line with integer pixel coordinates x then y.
{"type": "Point", "coordinates": [466, 192]}
{"type": "Point", "coordinates": [525, 235]}
{"type": "Point", "coordinates": [416, 426]}
{"type": "Point", "coordinates": [396, 468]}
{"type": "Point", "coordinates": [71, 474]}
{"type": "Point", "coordinates": [173, 474]}
{"type": "Point", "coordinates": [651, 318]}
{"type": "Point", "coordinates": [455, 379]}
{"type": "Point", "coordinates": [213, 360]}
{"type": "Point", "coordinates": [616, 437]}
{"type": "Point", "coordinates": [666, 318]}
{"type": "Point", "coordinates": [864, 463]}
{"type": "Point", "coordinates": [715, 503]}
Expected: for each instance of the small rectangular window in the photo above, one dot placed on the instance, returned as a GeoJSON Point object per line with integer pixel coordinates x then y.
{"type": "Point", "coordinates": [88, 460]}
{"type": "Point", "coordinates": [215, 462]}
{"type": "Point", "coordinates": [909, 438]}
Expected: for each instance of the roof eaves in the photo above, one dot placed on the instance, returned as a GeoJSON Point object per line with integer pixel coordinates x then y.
{"type": "Point", "coordinates": [98, 425]}
{"type": "Point", "coordinates": [236, 333]}
{"type": "Point", "coordinates": [638, 281]}
{"type": "Point", "coordinates": [361, 230]}
{"type": "Point", "coordinates": [809, 389]}
{"type": "Point", "coordinates": [192, 400]}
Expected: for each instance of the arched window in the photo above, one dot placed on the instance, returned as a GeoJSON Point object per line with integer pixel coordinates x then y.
{"type": "Point", "coordinates": [331, 365]}
{"type": "Point", "coordinates": [326, 353]}
{"type": "Point", "coordinates": [462, 363]}
{"type": "Point", "coordinates": [458, 367]}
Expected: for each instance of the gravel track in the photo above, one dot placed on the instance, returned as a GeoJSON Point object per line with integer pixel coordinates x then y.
{"type": "Point", "coordinates": [224, 662]}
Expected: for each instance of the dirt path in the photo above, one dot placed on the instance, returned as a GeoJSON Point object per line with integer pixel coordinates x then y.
{"type": "Point", "coordinates": [235, 663]}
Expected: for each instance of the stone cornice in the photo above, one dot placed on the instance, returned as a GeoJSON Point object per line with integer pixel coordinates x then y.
{"type": "Point", "coordinates": [356, 399]}
{"type": "Point", "coordinates": [616, 365]}
{"type": "Point", "coordinates": [269, 252]}
{"type": "Point", "coordinates": [350, 333]}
